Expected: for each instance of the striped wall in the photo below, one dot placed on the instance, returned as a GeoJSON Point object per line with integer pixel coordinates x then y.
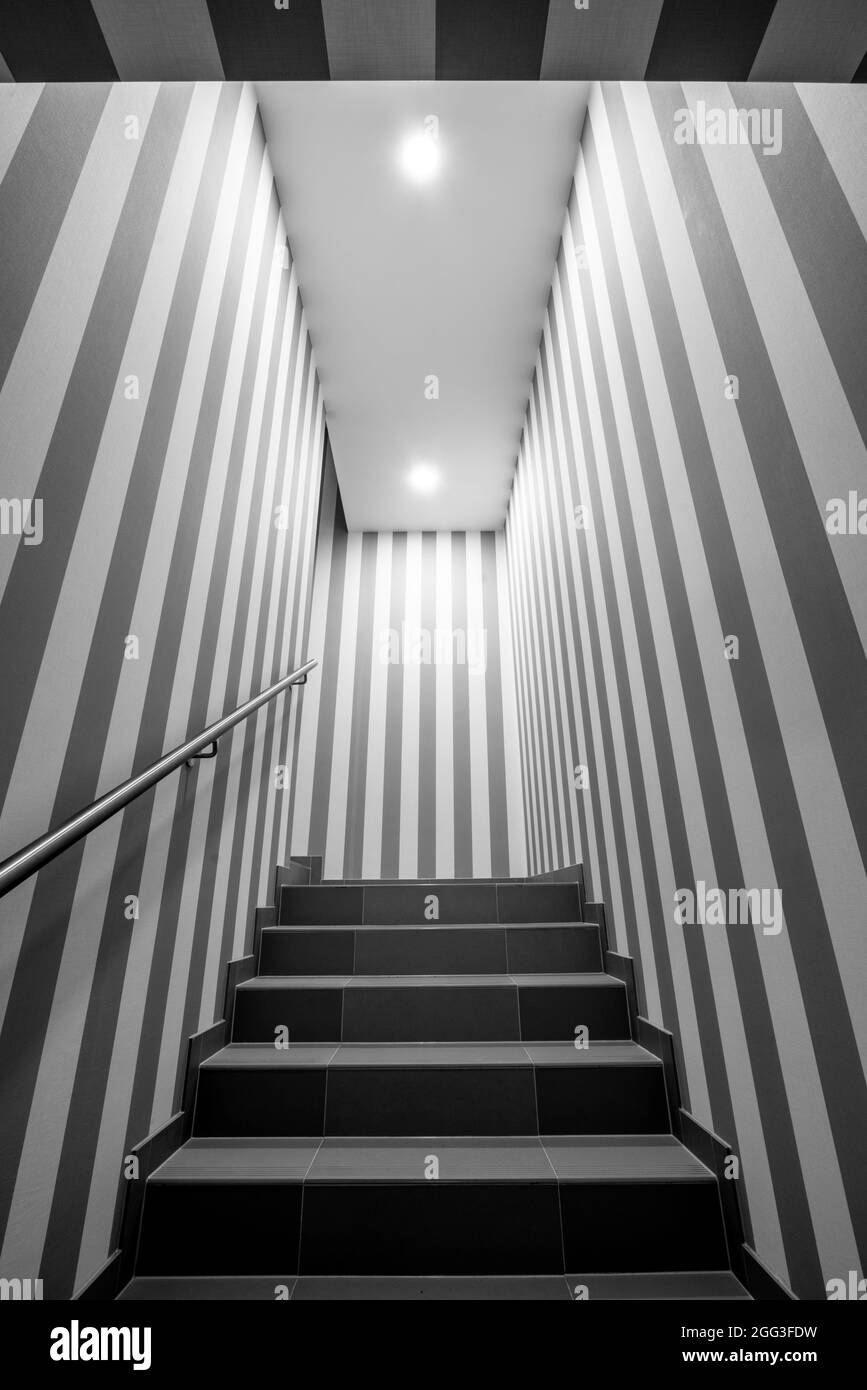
{"type": "Point", "coordinates": [380, 40]}
{"type": "Point", "coordinates": [683, 266]}
{"type": "Point", "coordinates": [409, 765]}
{"type": "Point", "coordinates": [158, 396]}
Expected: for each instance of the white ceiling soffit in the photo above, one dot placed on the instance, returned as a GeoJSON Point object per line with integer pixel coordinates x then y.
{"type": "Point", "coordinates": [402, 281]}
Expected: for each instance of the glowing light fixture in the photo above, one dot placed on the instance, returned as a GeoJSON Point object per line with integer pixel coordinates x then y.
{"type": "Point", "coordinates": [424, 478]}
{"type": "Point", "coordinates": [421, 156]}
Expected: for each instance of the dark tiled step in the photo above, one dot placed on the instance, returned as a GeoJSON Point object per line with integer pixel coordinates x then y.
{"type": "Point", "coordinates": [408, 904]}
{"type": "Point", "coordinates": [219, 1207]}
{"type": "Point", "coordinates": [424, 882]}
{"type": "Point", "coordinates": [435, 1228]}
{"type": "Point", "coordinates": [699, 1284]}
{"type": "Point", "coordinates": [688, 1284]}
{"type": "Point", "coordinates": [440, 1289]}
{"type": "Point", "coordinates": [430, 950]}
{"type": "Point", "coordinates": [429, 1008]}
{"type": "Point", "coordinates": [423, 1088]}
{"type": "Point", "coordinates": [242, 1289]}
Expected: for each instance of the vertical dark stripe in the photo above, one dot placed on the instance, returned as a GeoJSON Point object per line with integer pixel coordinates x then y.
{"type": "Point", "coordinates": [484, 39]}
{"type": "Point", "coordinates": [494, 694]}
{"type": "Point", "coordinates": [427, 770]}
{"type": "Point", "coordinates": [34, 198]}
{"type": "Point", "coordinates": [55, 41]}
{"type": "Point", "coordinates": [260, 42]}
{"type": "Point", "coordinates": [463, 823]}
{"type": "Point", "coordinates": [24, 630]}
{"type": "Point", "coordinates": [394, 718]}
{"type": "Point", "coordinates": [706, 40]}
{"type": "Point", "coordinates": [360, 711]}
{"type": "Point", "coordinates": [519, 671]}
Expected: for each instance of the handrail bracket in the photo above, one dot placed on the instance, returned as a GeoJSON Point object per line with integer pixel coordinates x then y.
{"type": "Point", "coordinates": [196, 756]}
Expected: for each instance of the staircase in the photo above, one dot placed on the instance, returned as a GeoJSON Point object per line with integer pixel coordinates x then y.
{"type": "Point", "coordinates": [431, 1130]}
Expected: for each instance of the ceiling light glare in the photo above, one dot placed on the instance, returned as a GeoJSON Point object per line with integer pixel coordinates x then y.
{"type": "Point", "coordinates": [424, 478]}
{"type": "Point", "coordinates": [421, 157]}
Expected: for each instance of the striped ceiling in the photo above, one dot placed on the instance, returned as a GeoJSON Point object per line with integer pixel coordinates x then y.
{"type": "Point", "coordinates": [139, 40]}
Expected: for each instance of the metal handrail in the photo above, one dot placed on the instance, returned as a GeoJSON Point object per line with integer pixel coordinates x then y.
{"type": "Point", "coordinates": [28, 860]}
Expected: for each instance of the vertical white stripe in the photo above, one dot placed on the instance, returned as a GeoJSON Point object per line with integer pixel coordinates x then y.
{"type": "Point", "coordinates": [518, 847]}
{"type": "Point", "coordinates": [444, 716]}
{"type": "Point", "coordinates": [371, 858]}
{"type": "Point", "coordinates": [409, 760]}
{"type": "Point", "coordinates": [480, 799]}
{"type": "Point", "coordinates": [339, 785]}
{"type": "Point", "coordinates": [532, 768]}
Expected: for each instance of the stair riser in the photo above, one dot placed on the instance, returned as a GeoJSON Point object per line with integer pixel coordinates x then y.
{"type": "Point", "coordinates": [429, 1228]}
{"type": "Point", "coordinates": [431, 1100]}
{"type": "Point", "coordinates": [418, 951]}
{"type": "Point", "coordinates": [611, 1227]}
{"type": "Point", "coordinates": [440, 1013]}
{"type": "Point", "coordinates": [406, 904]}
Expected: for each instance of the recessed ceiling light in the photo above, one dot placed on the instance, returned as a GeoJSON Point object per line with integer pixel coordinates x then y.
{"type": "Point", "coordinates": [424, 478]}
{"type": "Point", "coordinates": [421, 157]}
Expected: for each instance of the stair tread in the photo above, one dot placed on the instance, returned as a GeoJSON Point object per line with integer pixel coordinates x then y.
{"type": "Point", "coordinates": [699, 1284]}
{"type": "Point", "coordinates": [623, 1158]}
{"type": "Point", "coordinates": [564, 980]}
{"type": "Point", "coordinates": [359, 1159]}
{"type": "Point", "coordinates": [263, 1159]}
{"type": "Point", "coordinates": [432, 1288]}
{"type": "Point", "coordinates": [688, 1284]}
{"type": "Point", "coordinates": [425, 1054]}
{"type": "Point", "coordinates": [426, 926]}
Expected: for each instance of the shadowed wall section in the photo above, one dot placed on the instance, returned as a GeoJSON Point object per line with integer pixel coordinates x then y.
{"type": "Point", "coordinates": [158, 396]}
{"type": "Point", "coordinates": [409, 747]}
{"type": "Point", "coordinates": [681, 267]}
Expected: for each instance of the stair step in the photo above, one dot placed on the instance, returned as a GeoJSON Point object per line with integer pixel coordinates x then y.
{"type": "Point", "coordinates": [430, 949]}
{"type": "Point", "coordinates": [420, 1088]}
{"type": "Point", "coordinates": [699, 1284]}
{"type": "Point", "coordinates": [431, 1008]}
{"type": "Point", "coordinates": [401, 904]}
{"type": "Point", "coordinates": [684, 1284]}
{"type": "Point", "coordinates": [691, 1284]}
{"type": "Point", "coordinates": [495, 1208]}
{"type": "Point", "coordinates": [538, 1288]}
